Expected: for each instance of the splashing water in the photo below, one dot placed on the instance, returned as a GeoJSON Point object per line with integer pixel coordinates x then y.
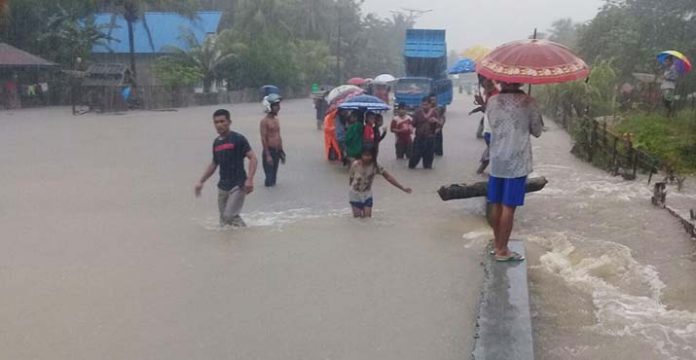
{"type": "Point", "coordinates": [620, 313]}
{"type": "Point", "coordinates": [275, 219]}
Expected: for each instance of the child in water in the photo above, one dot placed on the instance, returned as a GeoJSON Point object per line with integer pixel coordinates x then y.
{"type": "Point", "coordinates": [362, 173]}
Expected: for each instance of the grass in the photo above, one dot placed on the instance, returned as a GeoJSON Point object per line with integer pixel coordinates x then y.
{"type": "Point", "coordinates": [671, 140]}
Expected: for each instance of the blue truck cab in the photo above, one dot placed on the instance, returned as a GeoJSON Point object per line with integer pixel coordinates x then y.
{"type": "Point", "coordinates": [425, 57]}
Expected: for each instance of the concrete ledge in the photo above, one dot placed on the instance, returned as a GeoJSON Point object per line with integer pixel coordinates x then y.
{"type": "Point", "coordinates": [504, 325]}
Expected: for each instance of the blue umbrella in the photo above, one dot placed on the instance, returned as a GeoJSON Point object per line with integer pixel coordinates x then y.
{"type": "Point", "coordinates": [365, 102]}
{"type": "Point", "coordinates": [269, 89]}
{"type": "Point", "coordinates": [463, 66]}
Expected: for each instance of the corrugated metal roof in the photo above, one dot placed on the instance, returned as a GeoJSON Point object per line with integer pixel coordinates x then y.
{"type": "Point", "coordinates": [107, 69]}
{"type": "Point", "coordinates": [10, 56]}
{"type": "Point", "coordinates": [165, 28]}
{"type": "Point", "coordinates": [106, 75]}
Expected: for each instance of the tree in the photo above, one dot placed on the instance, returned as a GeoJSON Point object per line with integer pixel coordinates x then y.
{"type": "Point", "coordinates": [133, 10]}
{"type": "Point", "coordinates": [76, 35]}
{"type": "Point", "coordinates": [24, 22]}
{"type": "Point", "coordinates": [207, 57]}
{"type": "Point", "coordinates": [4, 10]}
{"type": "Point", "coordinates": [564, 31]}
{"type": "Point", "coordinates": [312, 59]}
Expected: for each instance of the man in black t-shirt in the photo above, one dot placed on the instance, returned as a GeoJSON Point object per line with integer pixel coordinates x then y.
{"type": "Point", "coordinates": [229, 151]}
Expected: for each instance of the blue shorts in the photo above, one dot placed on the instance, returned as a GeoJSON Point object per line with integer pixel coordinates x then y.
{"type": "Point", "coordinates": [487, 138]}
{"type": "Point", "coordinates": [509, 192]}
{"type": "Point", "coordinates": [360, 200]}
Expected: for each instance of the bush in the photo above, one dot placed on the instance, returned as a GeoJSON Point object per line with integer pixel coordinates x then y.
{"type": "Point", "coordinates": [671, 140]}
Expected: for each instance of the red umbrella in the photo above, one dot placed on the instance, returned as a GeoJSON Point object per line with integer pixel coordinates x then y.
{"type": "Point", "coordinates": [533, 62]}
{"type": "Point", "coordinates": [357, 81]}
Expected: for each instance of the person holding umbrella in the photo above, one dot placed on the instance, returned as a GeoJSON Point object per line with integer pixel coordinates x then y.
{"type": "Point", "coordinates": [514, 116]}
{"type": "Point", "coordinates": [669, 84]}
{"type": "Point", "coordinates": [675, 64]}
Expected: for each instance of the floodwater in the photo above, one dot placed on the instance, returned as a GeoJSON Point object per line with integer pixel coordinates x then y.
{"type": "Point", "coordinates": [611, 276]}
{"type": "Point", "coordinates": [106, 254]}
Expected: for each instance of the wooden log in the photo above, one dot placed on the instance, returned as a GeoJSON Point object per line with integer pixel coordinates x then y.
{"type": "Point", "coordinates": [464, 191]}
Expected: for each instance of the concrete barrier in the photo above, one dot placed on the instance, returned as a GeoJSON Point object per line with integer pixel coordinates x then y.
{"type": "Point", "coordinates": [504, 324]}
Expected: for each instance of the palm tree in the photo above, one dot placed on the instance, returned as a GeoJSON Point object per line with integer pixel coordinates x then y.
{"type": "Point", "coordinates": [133, 10]}
{"type": "Point", "coordinates": [78, 35]}
{"type": "Point", "coordinates": [208, 56]}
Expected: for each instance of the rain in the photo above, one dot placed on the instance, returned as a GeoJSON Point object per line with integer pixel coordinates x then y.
{"type": "Point", "coordinates": [347, 179]}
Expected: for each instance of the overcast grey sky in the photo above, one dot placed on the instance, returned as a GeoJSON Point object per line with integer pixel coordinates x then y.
{"type": "Point", "coordinates": [489, 22]}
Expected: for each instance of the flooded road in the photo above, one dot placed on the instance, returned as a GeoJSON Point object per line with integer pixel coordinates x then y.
{"type": "Point", "coordinates": [106, 254]}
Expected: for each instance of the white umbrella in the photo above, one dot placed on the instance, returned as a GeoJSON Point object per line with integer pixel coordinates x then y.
{"type": "Point", "coordinates": [343, 91]}
{"type": "Point", "coordinates": [384, 79]}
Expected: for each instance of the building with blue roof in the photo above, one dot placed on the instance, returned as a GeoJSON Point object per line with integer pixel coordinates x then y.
{"type": "Point", "coordinates": [153, 32]}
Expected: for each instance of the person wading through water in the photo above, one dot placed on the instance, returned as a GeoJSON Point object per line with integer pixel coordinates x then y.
{"type": "Point", "coordinates": [361, 175]}
{"type": "Point", "coordinates": [426, 122]}
{"type": "Point", "coordinates": [273, 153]}
{"type": "Point", "coordinates": [229, 151]}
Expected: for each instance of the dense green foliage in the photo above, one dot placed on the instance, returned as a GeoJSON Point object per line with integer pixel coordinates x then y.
{"type": "Point", "coordinates": [177, 74]}
{"type": "Point", "coordinates": [595, 97]}
{"type": "Point", "coordinates": [671, 140]}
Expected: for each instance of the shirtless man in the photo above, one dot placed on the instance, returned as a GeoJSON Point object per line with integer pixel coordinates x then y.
{"type": "Point", "coordinates": [272, 143]}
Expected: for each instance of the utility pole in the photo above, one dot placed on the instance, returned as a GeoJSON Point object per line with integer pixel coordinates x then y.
{"type": "Point", "coordinates": [534, 37]}
{"type": "Point", "coordinates": [338, 45]}
{"type": "Point", "coordinates": [411, 14]}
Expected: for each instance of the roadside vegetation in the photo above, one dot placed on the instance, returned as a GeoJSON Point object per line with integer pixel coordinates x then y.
{"type": "Point", "coordinates": [620, 44]}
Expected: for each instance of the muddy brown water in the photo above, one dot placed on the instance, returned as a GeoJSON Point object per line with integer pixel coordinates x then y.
{"type": "Point", "coordinates": [106, 253]}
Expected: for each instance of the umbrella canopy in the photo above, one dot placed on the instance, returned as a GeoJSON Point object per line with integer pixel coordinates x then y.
{"type": "Point", "coordinates": [463, 66]}
{"type": "Point", "coordinates": [364, 102]}
{"type": "Point", "coordinates": [384, 79]}
{"type": "Point", "coordinates": [476, 52]}
{"type": "Point", "coordinates": [269, 89]}
{"type": "Point", "coordinates": [680, 60]}
{"type": "Point", "coordinates": [533, 62]}
{"type": "Point", "coordinates": [357, 81]}
{"type": "Point", "coordinates": [342, 93]}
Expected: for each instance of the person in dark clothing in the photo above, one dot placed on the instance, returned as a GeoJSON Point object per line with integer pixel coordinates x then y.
{"type": "Point", "coordinates": [321, 107]}
{"type": "Point", "coordinates": [439, 146]}
{"type": "Point", "coordinates": [229, 151]}
{"type": "Point", "coordinates": [426, 122]}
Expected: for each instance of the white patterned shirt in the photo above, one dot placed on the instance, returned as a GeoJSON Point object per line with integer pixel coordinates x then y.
{"type": "Point", "coordinates": [512, 118]}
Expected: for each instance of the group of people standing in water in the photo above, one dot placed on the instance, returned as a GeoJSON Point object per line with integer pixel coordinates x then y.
{"type": "Point", "coordinates": [511, 116]}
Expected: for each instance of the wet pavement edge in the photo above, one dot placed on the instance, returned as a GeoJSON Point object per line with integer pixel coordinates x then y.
{"type": "Point", "coordinates": [504, 324]}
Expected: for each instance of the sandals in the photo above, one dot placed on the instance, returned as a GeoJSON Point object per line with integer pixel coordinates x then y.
{"type": "Point", "coordinates": [514, 257]}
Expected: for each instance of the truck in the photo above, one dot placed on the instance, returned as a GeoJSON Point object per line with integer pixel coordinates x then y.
{"type": "Point", "coordinates": [425, 57]}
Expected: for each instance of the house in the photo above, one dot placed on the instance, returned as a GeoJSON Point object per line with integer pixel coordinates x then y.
{"type": "Point", "coordinates": [23, 78]}
{"type": "Point", "coordinates": [153, 32]}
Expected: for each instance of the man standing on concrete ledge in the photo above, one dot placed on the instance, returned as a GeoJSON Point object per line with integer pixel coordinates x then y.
{"type": "Point", "coordinates": [513, 116]}
{"type": "Point", "coordinates": [229, 151]}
